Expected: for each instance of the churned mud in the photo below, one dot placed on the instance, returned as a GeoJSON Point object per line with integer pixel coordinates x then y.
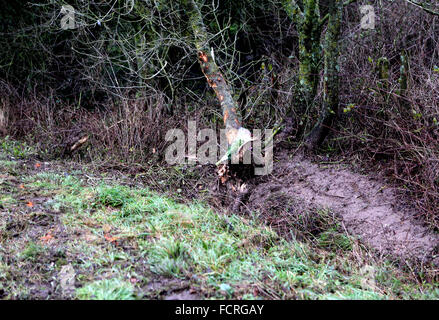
{"type": "Point", "coordinates": [368, 208]}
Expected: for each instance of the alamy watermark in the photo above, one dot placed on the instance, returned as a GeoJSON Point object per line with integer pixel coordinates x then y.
{"type": "Point", "coordinates": [215, 150]}
{"type": "Point", "coordinates": [68, 12]}
{"type": "Point", "coordinates": [68, 16]}
{"type": "Point", "coordinates": [368, 18]}
{"type": "Point", "coordinates": [68, 19]}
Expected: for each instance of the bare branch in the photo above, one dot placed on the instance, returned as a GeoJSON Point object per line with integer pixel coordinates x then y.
{"type": "Point", "coordinates": [423, 7]}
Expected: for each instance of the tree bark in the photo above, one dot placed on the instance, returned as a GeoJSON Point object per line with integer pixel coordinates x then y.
{"type": "Point", "coordinates": [383, 66]}
{"type": "Point", "coordinates": [308, 24]}
{"type": "Point", "coordinates": [403, 82]}
{"type": "Point", "coordinates": [331, 77]}
{"type": "Point", "coordinates": [306, 15]}
{"type": "Point", "coordinates": [3, 122]}
{"type": "Point", "coordinates": [214, 77]}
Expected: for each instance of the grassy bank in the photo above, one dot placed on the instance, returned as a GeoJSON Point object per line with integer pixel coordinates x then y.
{"type": "Point", "coordinates": [69, 233]}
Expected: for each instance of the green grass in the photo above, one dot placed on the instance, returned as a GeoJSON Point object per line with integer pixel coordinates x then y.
{"type": "Point", "coordinates": [31, 252]}
{"type": "Point", "coordinates": [19, 150]}
{"type": "Point", "coordinates": [332, 239]}
{"type": "Point", "coordinates": [113, 289]}
{"type": "Point", "coordinates": [180, 241]}
{"type": "Point", "coordinates": [115, 196]}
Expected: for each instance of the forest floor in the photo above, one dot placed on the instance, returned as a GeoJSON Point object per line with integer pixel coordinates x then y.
{"type": "Point", "coordinates": [70, 230]}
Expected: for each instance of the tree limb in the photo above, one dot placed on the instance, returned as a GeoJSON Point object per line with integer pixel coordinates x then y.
{"type": "Point", "coordinates": [331, 79]}
{"type": "Point", "coordinates": [235, 134]}
{"type": "Point", "coordinates": [423, 7]}
{"type": "Point", "coordinates": [290, 6]}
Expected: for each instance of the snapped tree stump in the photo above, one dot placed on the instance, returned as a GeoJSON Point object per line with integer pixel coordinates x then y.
{"type": "Point", "coordinates": [237, 136]}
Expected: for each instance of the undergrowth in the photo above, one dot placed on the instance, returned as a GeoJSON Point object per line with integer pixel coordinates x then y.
{"type": "Point", "coordinates": [130, 242]}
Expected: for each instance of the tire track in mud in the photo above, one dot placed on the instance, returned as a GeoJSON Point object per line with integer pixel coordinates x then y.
{"type": "Point", "coordinates": [368, 207]}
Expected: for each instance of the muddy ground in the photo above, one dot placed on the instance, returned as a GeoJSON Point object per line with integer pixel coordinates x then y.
{"type": "Point", "coordinates": [44, 252]}
{"type": "Point", "coordinates": [371, 209]}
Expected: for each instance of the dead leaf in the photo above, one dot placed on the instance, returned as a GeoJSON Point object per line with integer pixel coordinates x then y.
{"type": "Point", "coordinates": [47, 237]}
{"type": "Point", "coordinates": [111, 239]}
{"type": "Point", "coordinates": [133, 280]}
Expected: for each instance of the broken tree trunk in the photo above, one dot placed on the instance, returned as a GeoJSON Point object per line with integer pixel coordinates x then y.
{"type": "Point", "coordinates": [237, 136]}
{"type": "Point", "coordinates": [331, 76]}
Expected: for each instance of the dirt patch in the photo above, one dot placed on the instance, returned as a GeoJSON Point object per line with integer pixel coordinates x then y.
{"type": "Point", "coordinates": [368, 207]}
{"type": "Point", "coordinates": [182, 295]}
{"type": "Point", "coordinates": [171, 289]}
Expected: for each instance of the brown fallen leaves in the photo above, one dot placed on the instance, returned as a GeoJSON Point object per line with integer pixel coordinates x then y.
{"type": "Point", "coordinates": [47, 237]}
{"type": "Point", "coordinates": [111, 239]}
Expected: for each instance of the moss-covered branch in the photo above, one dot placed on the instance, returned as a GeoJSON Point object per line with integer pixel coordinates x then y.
{"type": "Point", "coordinates": [383, 66]}
{"type": "Point", "coordinates": [403, 79]}
{"type": "Point", "coordinates": [423, 6]}
{"type": "Point", "coordinates": [331, 75]}
{"type": "Point", "coordinates": [307, 21]}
